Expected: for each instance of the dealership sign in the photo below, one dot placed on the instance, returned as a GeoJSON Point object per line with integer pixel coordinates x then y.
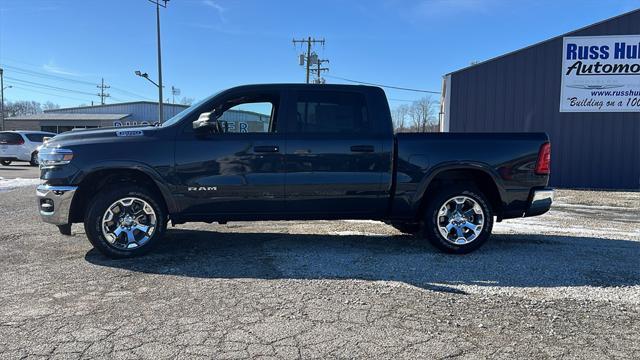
{"type": "Point", "coordinates": [600, 74]}
{"type": "Point", "coordinates": [119, 123]}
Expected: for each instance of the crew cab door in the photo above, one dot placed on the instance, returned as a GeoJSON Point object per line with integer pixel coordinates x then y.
{"type": "Point", "coordinates": [239, 170]}
{"type": "Point", "coordinates": [336, 162]}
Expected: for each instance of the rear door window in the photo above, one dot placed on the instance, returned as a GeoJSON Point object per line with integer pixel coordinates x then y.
{"type": "Point", "coordinates": [8, 138]}
{"type": "Point", "coordinates": [330, 112]}
{"type": "Point", "coordinates": [36, 137]}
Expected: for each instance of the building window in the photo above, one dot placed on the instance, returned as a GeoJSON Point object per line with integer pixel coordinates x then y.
{"type": "Point", "coordinates": [51, 129]}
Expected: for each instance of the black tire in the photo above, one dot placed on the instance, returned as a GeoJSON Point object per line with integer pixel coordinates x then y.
{"type": "Point", "coordinates": [430, 228]}
{"type": "Point", "coordinates": [65, 229]}
{"type": "Point", "coordinates": [34, 159]}
{"type": "Point", "coordinates": [101, 203]}
{"type": "Point", "coordinates": [407, 228]}
{"type": "Point", "coordinates": [5, 162]}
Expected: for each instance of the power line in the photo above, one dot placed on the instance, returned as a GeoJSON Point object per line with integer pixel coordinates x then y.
{"type": "Point", "coordinates": [401, 100]}
{"type": "Point", "coordinates": [45, 75]}
{"type": "Point", "coordinates": [49, 87]}
{"type": "Point", "coordinates": [384, 86]}
{"type": "Point", "coordinates": [56, 88]}
{"type": "Point", "coordinates": [46, 93]}
{"type": "Point", "coordinates": [129, 93]}
{"type": "Point", "coordinates": [117, 99]}
{"type": "Point", "coordinates": [62, 78]}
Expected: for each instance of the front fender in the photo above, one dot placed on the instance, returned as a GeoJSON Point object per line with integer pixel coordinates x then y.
{"type": "Point", "coordinates": [152, 173]}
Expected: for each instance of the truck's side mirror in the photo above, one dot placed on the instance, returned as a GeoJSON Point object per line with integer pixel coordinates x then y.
{"type": "Point", "coordinates": [206, 124]}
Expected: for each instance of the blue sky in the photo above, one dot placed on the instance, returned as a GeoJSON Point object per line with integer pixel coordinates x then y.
{"type": "Point", "coordinates": [209, 45]}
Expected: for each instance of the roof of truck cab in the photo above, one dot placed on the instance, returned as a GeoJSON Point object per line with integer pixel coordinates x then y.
{"type": "Point", "coordinates": [298, 86]}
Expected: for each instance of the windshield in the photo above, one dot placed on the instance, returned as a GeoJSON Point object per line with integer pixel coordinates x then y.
{"type": "Point", "coordinates": [179, 116]}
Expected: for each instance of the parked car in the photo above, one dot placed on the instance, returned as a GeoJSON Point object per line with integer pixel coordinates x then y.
{"type": "Point", "coordinates": [314, 152]}
{"type": "Point", "coordinates": [21, 146]}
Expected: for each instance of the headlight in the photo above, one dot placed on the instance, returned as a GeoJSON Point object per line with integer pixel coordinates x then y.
{"type": "Point", "coordinates": [54, 156]}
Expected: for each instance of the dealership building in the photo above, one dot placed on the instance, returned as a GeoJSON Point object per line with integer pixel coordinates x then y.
{"type": "Point", "coordinates": [578, 87]}
{"type": "Point", "coordinates": [122, 114]}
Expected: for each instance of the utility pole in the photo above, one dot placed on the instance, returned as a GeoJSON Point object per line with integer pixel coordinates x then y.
{"type": "Point", "coordinates": [319, 70]}
{"type": "Point", "coordinates": [158, 5]}
{"type": "Point", "coordinates": [102, 94]}
{"type": "Point", "coordinates": [310, 41]}
{"type": "Point", "coordinates": [2, 97]}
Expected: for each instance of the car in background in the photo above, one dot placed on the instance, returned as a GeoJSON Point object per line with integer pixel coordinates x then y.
{"type": "Point", "coordinates": [21, 146]}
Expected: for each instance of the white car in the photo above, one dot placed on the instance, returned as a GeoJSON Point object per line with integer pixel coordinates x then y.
{"type": "Point", "coordinates": [21, 146]}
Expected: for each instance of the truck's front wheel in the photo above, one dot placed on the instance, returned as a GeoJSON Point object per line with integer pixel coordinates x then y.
{"type": "Point", "coordinates": [124, 221]}
{"type": "Point", "coordinates": [458, 220]}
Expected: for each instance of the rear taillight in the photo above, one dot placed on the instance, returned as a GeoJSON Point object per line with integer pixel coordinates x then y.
{"type": "Point", "coordinates": [543, 166]}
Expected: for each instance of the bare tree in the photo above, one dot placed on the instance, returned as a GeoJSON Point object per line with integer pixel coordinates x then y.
{"type": "Point", "coordinates": [420, 116]}
{"type": "Point", "coordinates": [50, 106]}
{"type": "Point", "coordinates": [399, 116]}
{"type": "Point", "coordinates": [186, 101]}
{"type": "Point", "coordinates": [22, 107]}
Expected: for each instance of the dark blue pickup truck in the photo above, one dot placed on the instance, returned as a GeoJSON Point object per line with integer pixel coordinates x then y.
{"type": "Point", "coordinates": [289, 151]}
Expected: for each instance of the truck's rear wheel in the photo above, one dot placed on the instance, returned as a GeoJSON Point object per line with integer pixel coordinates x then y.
{"type": "Point", "coordinates": [458, 220]}
{"type": "Point", "coordinates": [125, 221]}
{"type": "Point", "coordinates": [5, 162]}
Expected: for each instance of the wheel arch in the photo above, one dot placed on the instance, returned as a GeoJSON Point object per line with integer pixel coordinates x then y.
{"type": "Point", "coordinates": [479, 175]}
{"type": "Point", "coordinates": [94, 180]}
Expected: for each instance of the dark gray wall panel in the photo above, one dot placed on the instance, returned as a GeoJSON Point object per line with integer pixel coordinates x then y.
{"type": "Point", "coordinates": [521, 92]}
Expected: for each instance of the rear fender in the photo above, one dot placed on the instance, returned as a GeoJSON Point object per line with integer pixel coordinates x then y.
{"type": "Point", "coordinates": [433, 172]}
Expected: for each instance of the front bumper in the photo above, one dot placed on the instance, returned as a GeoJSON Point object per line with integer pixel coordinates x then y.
{"type": "Point", "coordinates": [541, 201]}
{"type": "Point", "coordinates": [54, 203]}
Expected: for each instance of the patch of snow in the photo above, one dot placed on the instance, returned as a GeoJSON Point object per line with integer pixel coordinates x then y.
{"type": "Point", "coordinates": [355, 233]}
{"type": "Point", "coordinates": [533, 227]}
{"type": "Point", "coordinates": [376, 222]}
{"type": "Point", "coordinates": [8, 184]}
{"type": "Point", "coordinates": [584, 206]}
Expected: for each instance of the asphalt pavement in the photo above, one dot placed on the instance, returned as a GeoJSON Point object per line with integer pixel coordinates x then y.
{"type": "Point", "coordinates": [566, 284]}
{"type": "Point", "coordinates": [19, 170]}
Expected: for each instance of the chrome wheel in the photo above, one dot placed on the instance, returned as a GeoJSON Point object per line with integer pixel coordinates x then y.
{"type": "Point", "coordinates": [129, 223]}
{"type": "Point", "coordinates": [460, 220]}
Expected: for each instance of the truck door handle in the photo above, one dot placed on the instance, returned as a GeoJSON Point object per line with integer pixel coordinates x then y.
{"type": "Point", "coordinates": [362, 148]}
{"type": "Point", "coordinates": [266, 149]}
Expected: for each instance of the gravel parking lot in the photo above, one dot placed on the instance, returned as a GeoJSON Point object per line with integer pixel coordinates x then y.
{"type": "Point", "coordinates": [566, 284]}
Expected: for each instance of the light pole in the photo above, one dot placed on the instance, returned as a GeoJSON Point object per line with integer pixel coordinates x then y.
{"type": "Point", "coordinates": [2, 98]}
{"type": "Point", "coordinates": [158, 5]}
{"type": "Point", "coordinates": [146, 76]}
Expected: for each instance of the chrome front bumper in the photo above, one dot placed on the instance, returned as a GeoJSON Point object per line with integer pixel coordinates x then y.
{"type": "Point", "coordinates": [541, 201]}
{"type": "Point", "coordinates": [54, 203]}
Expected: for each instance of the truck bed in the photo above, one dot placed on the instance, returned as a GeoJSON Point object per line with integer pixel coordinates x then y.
{"type": "Point", "coordinates": [508, 158]}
